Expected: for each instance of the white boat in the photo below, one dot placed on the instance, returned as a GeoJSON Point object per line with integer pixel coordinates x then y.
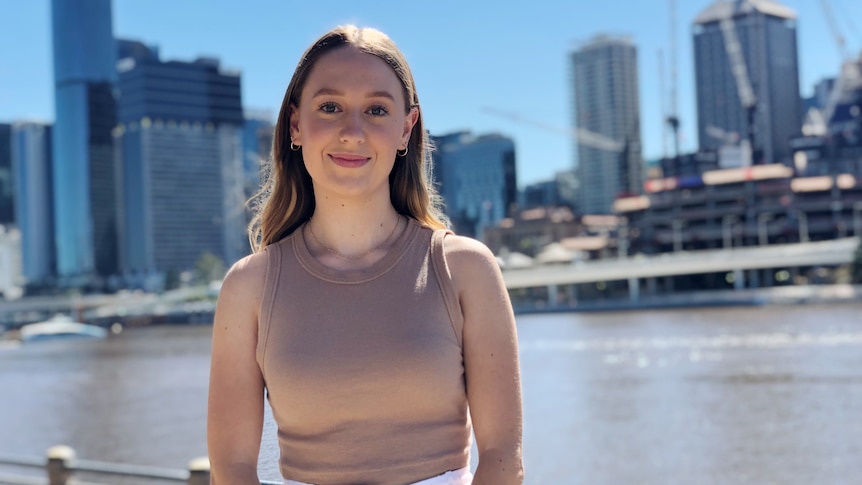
{"type": "Point", "coordinates": [60, 326]}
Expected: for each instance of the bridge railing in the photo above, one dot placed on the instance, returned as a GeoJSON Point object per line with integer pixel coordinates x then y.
{"type": "Point", "coordinates": [61, 464]}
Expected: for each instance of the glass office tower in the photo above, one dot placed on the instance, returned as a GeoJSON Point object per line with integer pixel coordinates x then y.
{"type": "Point", "coordinates": [477, 179]}
{"type": "Point", "coordinates": [7, 211]}
{"type": "Point", "coordinates": [34, 212]}
{"type": "Point", "coordinates": [257, 134]}
{"type": "Point", "coordinates": [179, 145]}
{"type": "Point", "coordinates": [84, 187]}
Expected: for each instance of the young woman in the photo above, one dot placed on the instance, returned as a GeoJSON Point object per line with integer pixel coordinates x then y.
{"type": "Point", "coordinates": [380, 339]}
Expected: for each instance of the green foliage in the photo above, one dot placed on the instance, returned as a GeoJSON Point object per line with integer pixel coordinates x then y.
{"type": "Point", "coordinates": [209, 268]}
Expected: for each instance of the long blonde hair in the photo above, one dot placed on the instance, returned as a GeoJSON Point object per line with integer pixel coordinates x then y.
{"type": "Point", "coordinates": [286, 199]}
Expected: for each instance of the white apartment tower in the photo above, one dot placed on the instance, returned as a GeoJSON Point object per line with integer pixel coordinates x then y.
{"type": "Point", "coordinates": [606, 106]}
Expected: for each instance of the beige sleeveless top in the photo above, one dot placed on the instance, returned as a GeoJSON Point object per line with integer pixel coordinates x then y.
{"type": "Point", "coordinates": [364, 369]}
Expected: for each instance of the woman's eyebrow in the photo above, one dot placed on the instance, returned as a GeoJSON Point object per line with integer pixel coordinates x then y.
{"type": "Point", "coordinates": [335, 92]}
{"type": "Point", "coordinates": [381, 94]}
{"type": "Point", "coordinates": [327, 92]}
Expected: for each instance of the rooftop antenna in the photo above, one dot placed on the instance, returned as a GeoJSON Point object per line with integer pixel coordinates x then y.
{"type": "Point", "coordinates": [663, 102]}
{"type": "Point", "coordinates": [673, 117]}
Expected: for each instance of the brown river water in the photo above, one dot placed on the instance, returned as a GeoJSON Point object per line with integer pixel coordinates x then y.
{"type": "Point", "coordinates": [759, 395]}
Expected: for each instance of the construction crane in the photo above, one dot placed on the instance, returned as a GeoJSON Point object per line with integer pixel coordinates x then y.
{"type": "Point", "coordinates": [619, 150]}
{"type": "Point", "coordinates": [849, 70]}
{"type": "Point", "coordinates": [740, 73]}
{"type": "Point", "coordinates": [581, 135]}
{"type": "Point", "coordinates": [727, 138]}
{"type": "Point", "coordinates": [833, 26]}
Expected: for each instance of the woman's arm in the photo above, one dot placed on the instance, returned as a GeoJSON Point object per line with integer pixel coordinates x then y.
{"type": "Point", "coordinates": [236, 391]}
{"type": "Point", "coordinates": [490, 359]}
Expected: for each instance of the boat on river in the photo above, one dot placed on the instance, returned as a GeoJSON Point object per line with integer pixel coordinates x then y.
{"type": "Point", "coordinates": [59, 326]}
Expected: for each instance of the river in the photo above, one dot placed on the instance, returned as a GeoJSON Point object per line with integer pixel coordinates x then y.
{"type": "Point", "coordinates": [707, 396]}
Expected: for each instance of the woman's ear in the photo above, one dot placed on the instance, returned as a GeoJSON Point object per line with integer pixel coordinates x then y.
{"type": "Point", "coordinates": [294, 124]}
{"type": "Point", "coordinates": [409, 123]}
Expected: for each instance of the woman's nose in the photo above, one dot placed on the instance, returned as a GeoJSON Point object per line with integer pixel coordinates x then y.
{"type": "Point", "coordinates": [352, 129]}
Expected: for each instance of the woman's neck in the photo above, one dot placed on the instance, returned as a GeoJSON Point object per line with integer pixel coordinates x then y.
{"type": "Point", "coordinates": [343, 231]}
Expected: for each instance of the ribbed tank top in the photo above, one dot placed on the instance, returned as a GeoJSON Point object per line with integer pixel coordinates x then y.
{"type": "Point", "coordinates": [364, 369]}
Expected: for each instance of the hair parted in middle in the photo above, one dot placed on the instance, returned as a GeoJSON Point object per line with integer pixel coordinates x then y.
{"type": "Point", "coordinates": [286, 200]}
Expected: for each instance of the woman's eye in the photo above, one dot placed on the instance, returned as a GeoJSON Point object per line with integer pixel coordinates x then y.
{"type": "Point", "coordinates": [378, 111]}
{"type": "Point", "coordinates": [329, 108]}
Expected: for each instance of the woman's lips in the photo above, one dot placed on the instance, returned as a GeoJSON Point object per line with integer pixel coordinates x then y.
{"type": "Point", "coordinates": [347, 160]}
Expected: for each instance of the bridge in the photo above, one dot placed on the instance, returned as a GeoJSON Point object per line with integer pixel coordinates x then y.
{"type": "Point", "coordinates": [736, 260]}
{"type": "Point", "coordinates": [633, 270]}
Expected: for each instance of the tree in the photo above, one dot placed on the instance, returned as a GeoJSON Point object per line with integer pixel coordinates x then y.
{"type": "Point", "coordinates": [209, 268]}
{"type": "Point", "coordinates": [172, 279]}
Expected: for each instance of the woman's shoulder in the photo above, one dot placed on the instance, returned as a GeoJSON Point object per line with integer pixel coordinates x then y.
{"type": "Point", "coordinates": [468, 258]}
{"type": "Point", "coordinates": [465, 247]}
{"type": "Point", "coordinates": [246, 276]}
{"type": "Point", "coordinates": [252, 268]}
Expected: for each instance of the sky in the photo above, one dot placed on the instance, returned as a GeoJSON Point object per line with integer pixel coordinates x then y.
{"type": "Point", "coordinates": [467, 56]}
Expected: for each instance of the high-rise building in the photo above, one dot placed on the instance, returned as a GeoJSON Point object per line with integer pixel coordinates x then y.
{"type": "Point", "coordinates": [84, 183]}
{"type": "Point", "coordinates": [477, 180]}
{"type": "Point", "coordinates": [843, 113]}
{"type": "Point", "coordinates": [747, 76]}
{"type": "Point", "coordinates": [257, 134]}
{"type": "Point", "coordinates": [10, 263]}
{"type": "Point", "coordinates": [34, 210]}
{"type": "Point", "coordinates": [7, 187]}
{"type": "Point", "coordinates": [180, 158]}
{"type": "Point", "coordinates": [606, 103]}
{"type": "Point", "coordinates": [832, 134]}
{"type": "Point", "coordinates": [557, 192]}
{"type": "Point", "coordinates": [820, 98]}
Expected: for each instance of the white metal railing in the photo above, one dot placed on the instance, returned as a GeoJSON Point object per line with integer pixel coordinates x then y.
{"type": "Point", "coordinates": [61, 464]}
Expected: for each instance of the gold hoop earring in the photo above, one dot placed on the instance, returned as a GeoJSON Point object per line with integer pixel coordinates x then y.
{"type": "Point", "coordinates": [402, 154]}
{"type": "Point", "coordinates": [294, 147]}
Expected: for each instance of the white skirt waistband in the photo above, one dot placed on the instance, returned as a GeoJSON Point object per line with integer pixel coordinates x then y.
{"type": "Point", "coordinates": [461, 476]}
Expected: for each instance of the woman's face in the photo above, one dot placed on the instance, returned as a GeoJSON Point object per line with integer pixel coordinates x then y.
{"type": "Point", "coordinates": [350, 121]}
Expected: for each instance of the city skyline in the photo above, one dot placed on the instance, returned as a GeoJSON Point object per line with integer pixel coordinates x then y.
{"type": "Point", "coordinates": [478, 45]}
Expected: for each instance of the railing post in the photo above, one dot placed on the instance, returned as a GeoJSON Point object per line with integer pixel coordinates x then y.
{"type": "Point", "coordinates": [60, 462]}
{"type": "Point", "coordinates": [199, 471]}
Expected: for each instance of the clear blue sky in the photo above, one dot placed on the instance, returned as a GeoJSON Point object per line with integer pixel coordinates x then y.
{"type": "Point", "coordinates": [465, 55]}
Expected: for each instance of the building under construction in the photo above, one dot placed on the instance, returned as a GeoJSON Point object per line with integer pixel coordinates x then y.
{"type": "Point", "coordinates": [747, 79]}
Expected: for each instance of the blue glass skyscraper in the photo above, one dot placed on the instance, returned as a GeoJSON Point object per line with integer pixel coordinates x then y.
{"type": "Point", "coordinates": [257, 133]}
{"type": "Point", "coordinates": [476, 176]}
{"type": "Point", "coordinates": [31, 164]}
{"type": "Point", "coordinates": [84, 198]}
{"type": "Point", "coordinates": [7, 214]}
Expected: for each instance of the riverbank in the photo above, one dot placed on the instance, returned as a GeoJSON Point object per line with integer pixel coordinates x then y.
{"type": "Point", "coordinates": [197, 305]}
{"type": "Point", "coordinates": [779, 295]}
